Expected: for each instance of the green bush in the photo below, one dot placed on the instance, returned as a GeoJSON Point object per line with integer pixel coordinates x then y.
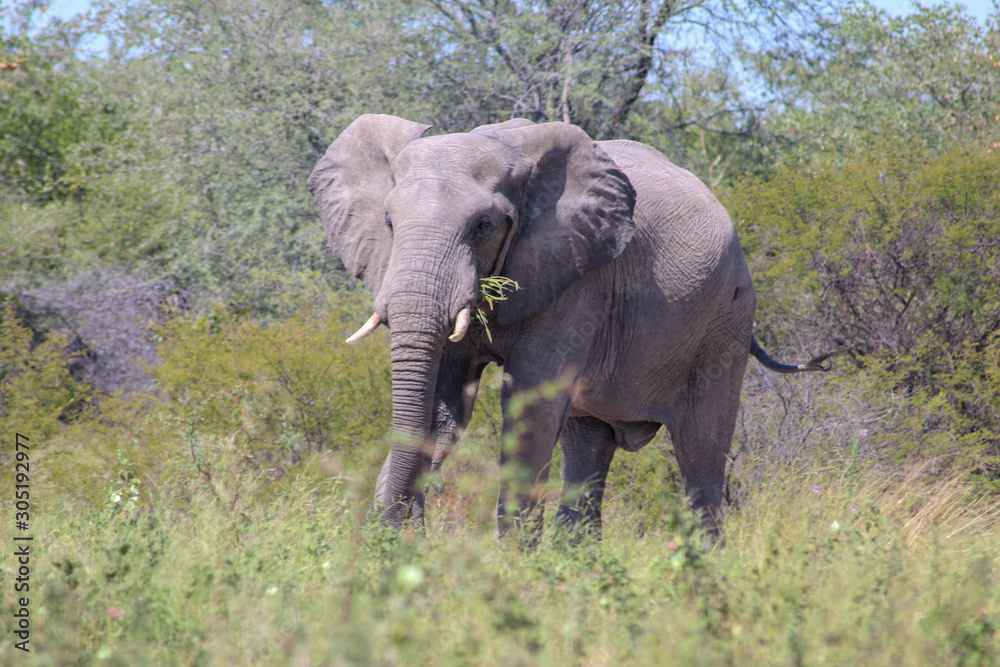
{"type": "Point", "coordinates": [237, 405]}
{"type": "Point", "coordinates": [295, 379]}
{"type": "Point", "coordinates": [824, 569]}
{"type": "Point", "coordinates": [892, 257]}
{"type": "Point", "coordinates": [950, 412]}
{"type": "Point", "coordinates": [873, 253]}
{"type": "Point", "coordinates": [37, 392]}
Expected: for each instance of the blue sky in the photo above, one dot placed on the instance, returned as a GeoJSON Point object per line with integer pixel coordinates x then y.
{"type": "Point", "coordinates": [979, 8]}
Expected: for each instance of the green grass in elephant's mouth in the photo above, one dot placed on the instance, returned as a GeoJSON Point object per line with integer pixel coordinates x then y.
{"type": "Point", "coordinates": [493, 290]}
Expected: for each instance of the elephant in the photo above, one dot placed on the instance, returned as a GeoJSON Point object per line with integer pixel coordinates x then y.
{"type": "Point", "coordinates": [633, 293]}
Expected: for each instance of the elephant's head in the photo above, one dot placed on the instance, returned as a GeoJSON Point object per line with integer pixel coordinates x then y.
{"type": "Point", "coordinates": [420, 220]}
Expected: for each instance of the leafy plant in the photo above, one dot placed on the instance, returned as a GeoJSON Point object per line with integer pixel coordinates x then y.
{"type": "Point", "coordinates": [283, 384]}
{"type": "Point", "coordinates": [493, 290]}
{"type": "Point", "coordinates": [37, 392]}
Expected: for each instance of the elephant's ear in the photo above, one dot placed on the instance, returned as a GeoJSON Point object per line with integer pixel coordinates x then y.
{"type": "Point", "coordinates": [349, 185]}
{"type": "Point", "coordinates": [575, 217]}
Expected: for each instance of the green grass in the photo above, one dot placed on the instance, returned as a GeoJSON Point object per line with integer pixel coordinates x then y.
{"type": "Point", "coordinates": [816, 570]}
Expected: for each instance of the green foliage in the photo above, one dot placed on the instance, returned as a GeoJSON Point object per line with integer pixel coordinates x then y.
{"type": "Point", "coordinates": [492, 290]}
{"type": "Point", "coordinates": [932, 76]}
{"type": "Point", "coordinates": [659, 72]}
{"type": "Point", "coordinates": [55, 128]}
{"type": "Point", "coordinates": [37, 392]}
{"type": "Point", "coordinates": [238, 405]}
{"type": "Point", "coordinates": [891, 255]}
{"type": "Point", "coordinates": [817, 569]}
{"type": "Point", "coordinates": [201, 176]}
{"type": "Point", "coordinates": [82, 183]}
{"type": "Point", "coordinates": [271, 381]}
{"type": "Point", "coordinates": [896, 242]}
{"type": "Point", "coordinates": [249, 97]}
{"type": "Point", "coordinates": [219, 519]}
{"type": "Point", "coordinates": [952, 404]}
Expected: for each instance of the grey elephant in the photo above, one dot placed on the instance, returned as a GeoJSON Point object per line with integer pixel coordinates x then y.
{"type": "Point", "coordinates": [633, 293]}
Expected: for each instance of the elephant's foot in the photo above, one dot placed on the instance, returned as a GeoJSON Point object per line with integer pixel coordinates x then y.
{"type": "Point", "coordinates": [579, 522]}
{"type": "Point", "coordinates": [711, 524]}
{"type": "Point", "coordinates": [523, 524]}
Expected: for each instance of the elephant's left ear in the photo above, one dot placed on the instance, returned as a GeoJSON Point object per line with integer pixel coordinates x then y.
{"type": "Point", "coordinates": [576, 215]}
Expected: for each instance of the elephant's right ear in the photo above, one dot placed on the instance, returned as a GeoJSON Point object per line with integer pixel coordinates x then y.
{"type": "Point", "coordinates": [349, 185]}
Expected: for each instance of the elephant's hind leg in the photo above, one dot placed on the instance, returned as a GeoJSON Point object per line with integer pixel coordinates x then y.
{"type": "Point", "coordinates": [701, 431]}
{"type": "Point", "coordinates": [588, 446]}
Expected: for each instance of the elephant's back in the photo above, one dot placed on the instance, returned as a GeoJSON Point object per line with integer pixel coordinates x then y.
{"type": "Point", "coordinates": [683, 233]}
{"type": "Point", "coordinates": [643, 162]}
{"type": "Point", "coordinates": [666, 193]}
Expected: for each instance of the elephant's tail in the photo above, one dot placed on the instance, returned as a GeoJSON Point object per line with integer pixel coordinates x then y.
{"type": "Point", "coordinates": [815, 364]}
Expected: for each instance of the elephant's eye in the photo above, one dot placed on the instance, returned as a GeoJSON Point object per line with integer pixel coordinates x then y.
{"type": "Point", "coordinates": [483, 228]}
{"type": "Point", "coordinates": [388, 222]}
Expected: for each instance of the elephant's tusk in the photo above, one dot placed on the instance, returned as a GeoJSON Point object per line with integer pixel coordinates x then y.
{"type": "Point", "coordinates": [366, 329]}
{"type": "Point", "coordinates": [461, 325]}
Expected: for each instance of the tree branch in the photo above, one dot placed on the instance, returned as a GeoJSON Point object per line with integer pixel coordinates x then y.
{"type": "Point", "coordinates": [647, 38]}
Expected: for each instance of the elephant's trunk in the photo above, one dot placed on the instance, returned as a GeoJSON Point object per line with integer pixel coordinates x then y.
{"type": "Point", "coordinates": [430, 281]}
{"type": "Point", "coordinates": [419, 334]}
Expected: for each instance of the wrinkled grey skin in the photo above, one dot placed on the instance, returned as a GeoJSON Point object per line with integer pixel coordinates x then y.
{"type": "Point", "coordinates": [634, 292]}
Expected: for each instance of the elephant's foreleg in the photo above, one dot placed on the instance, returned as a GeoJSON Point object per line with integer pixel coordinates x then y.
{"type": "Point", "coordinates": [588, 446]}
{"type": "Point", "coordinates": [529, 435]}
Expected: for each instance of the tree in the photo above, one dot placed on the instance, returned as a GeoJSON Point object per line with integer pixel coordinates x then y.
{"type": "Point", "coordinates": [875, 252]}
{"type": "Point", "coordinates": [203, 120]}
{"type": "Point", "coordinates": [932, 76]}
{"type": "Point", "coordinates": [238, 100]}
{"type": "Point", "coordinates": [891, 255]}
{"type": "Point", "coordinates": [594, 62]}
{"type": "Point", "coordinates": [55, 125]}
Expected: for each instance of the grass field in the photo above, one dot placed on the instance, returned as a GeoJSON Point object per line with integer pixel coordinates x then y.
{"type": "Point", "coordinates": [820, 567]}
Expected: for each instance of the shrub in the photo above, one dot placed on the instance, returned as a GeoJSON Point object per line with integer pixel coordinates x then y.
{"type": "Point", "coordinates": [952, 403]}
{"type": "Point", "coordinates": [873, 253]}
{"type": "Point", "coordinates": [293, 386]}
{"type": "Point", "coordinates": [236, 404]}
{"type": "Point", "coordinates": [37, 392]}
{"type": "Point", "coordinates": [894, 257]}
